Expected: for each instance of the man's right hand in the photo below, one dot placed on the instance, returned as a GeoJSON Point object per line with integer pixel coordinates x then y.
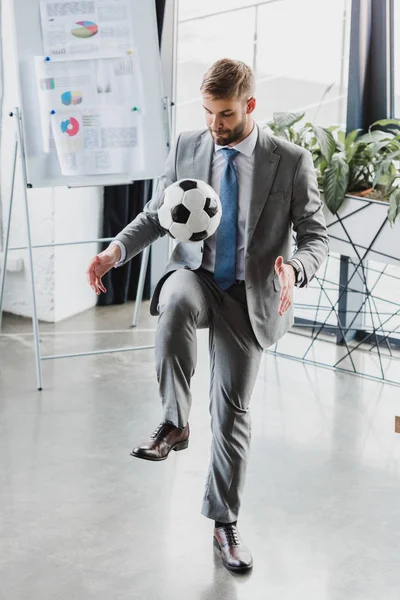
{"type": "Point", "coordinates": [100, 265]}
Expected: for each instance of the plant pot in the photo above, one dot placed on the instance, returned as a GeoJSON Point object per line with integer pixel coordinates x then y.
{"type": "Point", "coordinates": [363, 193]}
{"type": "Point", "coordinates": [361, 229]}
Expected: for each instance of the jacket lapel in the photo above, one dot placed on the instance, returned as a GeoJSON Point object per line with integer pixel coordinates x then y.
{"type": "Point", "coordinates": [265, 166]}
{"type": "Point", "coordinates": [202, 158]}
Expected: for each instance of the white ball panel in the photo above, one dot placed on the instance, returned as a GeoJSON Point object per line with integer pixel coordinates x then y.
{"type": "Point", "coordinates": [214, 222]}
{"type": "Point", "coordinates": [194, 200]}
{"type": "Point", "coordinates": [173, 195]}
{"type": "Point", "coordinates": [207, 190]}
{"type": "Point", "coordinates": [164, 216]}
{"type": "Point", "coordinates": [198, 221]}
{"type": "Point", "coordinates": [180, 231]}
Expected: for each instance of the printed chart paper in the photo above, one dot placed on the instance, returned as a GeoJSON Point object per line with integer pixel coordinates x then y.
{"type": "Point", "coordinates": [63, 84]}
{"type": "Point", "coordinates": [97, 141]}
{"type": "Point", "coordinates": [86, 28]}
{"type": "Point", "coordinates": [70, 29]}
{"type": "Point", "coordinates": [89, 86]}
{"type": "Point", "coordinates": [107, 82]}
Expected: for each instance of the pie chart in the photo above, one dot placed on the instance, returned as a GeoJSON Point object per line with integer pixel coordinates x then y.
{"type": "Point", "coordinates": [70, 127]}
{"type": "Point", "coordinates": [87, 29]}
{"type": "Point", "coordinates": [69, 98]}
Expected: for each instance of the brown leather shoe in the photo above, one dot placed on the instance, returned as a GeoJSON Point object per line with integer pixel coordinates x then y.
{"type": "Point", "coordinates": [165, 438]}
{"type": "Point", "coordinates": [235, 556]}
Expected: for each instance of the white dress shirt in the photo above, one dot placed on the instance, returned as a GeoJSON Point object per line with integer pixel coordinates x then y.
{"type": "Point", "coordinates": [244, 164]}
{"type": "Point", "coordinates": [121, 246]}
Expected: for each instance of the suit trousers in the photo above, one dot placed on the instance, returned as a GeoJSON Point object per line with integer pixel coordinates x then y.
{"type": "Point", "coordinates": [191, 300]}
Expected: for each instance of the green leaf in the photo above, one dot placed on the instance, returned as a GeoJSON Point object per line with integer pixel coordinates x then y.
{"type": "Point", "coordinates": [335, 180]}
{"type": "Point", "coordinates": [377, 147]}
{"type": "Point", "coordinates": [320, 163]}
{"type": "Point", "coordinates": [326, 142]}
{"type": "Point", "coordinates": [387, 182]}
{"type": "Point", "coordinates": [394, 156]}
{"type": "Point", "coordinates": [287, 119]}
{"type": "Point", "coordinates": [386, 166]}
{"type": "Point", "coordinates": [351, 152]}
{"type": "Point", "coordinates": [351, 138]}
{"type": "Point", "coordinates": [385, 122]}
{"type": "Point", "coordinates": [382, 170]}
{"type": "Point", "coordinates": [340, 147]}
{"type": "Point", "coordinates": [375, 136]}
{"type": "Point", "coordinates": [394, 206]}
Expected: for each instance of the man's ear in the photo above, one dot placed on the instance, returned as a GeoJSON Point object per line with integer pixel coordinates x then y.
{"type": "Point", "coordinates": [251, 104]}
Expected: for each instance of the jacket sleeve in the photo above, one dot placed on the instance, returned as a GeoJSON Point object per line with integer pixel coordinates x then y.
{"type": "Point", "coordinates": [308, 219]}
{"type": "Point", "coordinates": [145, 228]}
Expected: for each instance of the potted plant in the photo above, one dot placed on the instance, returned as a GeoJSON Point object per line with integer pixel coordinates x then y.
{"type": "Point", "coordinates": [359, 178]}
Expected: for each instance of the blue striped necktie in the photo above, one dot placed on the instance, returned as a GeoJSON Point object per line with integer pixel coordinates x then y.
{"type": "Point", "coordinates": [225, 257]}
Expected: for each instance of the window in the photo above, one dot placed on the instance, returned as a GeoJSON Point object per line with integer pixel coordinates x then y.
{"type": "Point", "coordinates": [301, 62]}
{"type": "Point", "coordinates": [396, 58]}
{"type": "Point", "coordinates": [201, 41]}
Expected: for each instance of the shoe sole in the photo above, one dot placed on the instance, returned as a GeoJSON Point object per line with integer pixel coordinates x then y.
{"type": "Point", "coordinates": [229, 567]}
{"type": "Point", "coordinates": [180, 446]}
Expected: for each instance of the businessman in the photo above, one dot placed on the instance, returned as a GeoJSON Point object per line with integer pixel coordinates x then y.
{"type": "Point", "coordinates": [238, 283]}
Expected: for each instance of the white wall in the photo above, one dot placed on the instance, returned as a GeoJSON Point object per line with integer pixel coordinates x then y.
{"type": "Point", "coordinates": [57, 215]}
{"type": "Point", "coordinates": [78, 217]}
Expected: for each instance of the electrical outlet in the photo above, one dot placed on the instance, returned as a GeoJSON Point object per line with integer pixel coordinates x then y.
{"type": "Point", "coordinates": [397, 424]}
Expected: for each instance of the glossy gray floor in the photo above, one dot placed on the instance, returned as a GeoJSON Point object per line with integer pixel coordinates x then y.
{"type": "Point", "coordinates": [81, 519]}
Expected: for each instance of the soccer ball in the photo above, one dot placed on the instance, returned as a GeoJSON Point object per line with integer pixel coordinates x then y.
{"type": "Point", "coordinates": [191, 210]}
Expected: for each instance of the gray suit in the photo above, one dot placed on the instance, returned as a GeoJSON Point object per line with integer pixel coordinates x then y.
{"type": "Point", "coordinates": [243, 320]}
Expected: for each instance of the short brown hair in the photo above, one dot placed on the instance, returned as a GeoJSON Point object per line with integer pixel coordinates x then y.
{"type": "Point", "coordinates": [228, 78]}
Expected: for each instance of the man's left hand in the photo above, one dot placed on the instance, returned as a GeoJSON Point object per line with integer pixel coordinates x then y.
{"type": "Point", "coordinates": [287, 279]}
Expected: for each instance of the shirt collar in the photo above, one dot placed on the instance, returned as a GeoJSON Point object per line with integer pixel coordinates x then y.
{"type": "Point", "coordinates": [246, 146]}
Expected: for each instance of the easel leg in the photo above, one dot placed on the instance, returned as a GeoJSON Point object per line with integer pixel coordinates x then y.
{"type": "Point", "coordinates": [167, 104]}
{"type": "Point", "coordinates": [140, 289]}
{"type": "Point", "coordinates": [7, 238]}
{"type": "Point", "coordinates": [35, 322]}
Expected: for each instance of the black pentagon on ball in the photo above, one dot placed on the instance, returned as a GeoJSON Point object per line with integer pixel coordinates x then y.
{"type": "Point", "coordinates": [180, 214]}
{"type": "Point", "coordinates": [210, 210]}
{"type": "Point", "coordinates": [187, 185]}
{"type": "Point", "coordinates": [199, 236]}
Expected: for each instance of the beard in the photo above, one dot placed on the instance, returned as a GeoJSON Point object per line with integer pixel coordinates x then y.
{"type": "Point", "coordinates": [224, 137]}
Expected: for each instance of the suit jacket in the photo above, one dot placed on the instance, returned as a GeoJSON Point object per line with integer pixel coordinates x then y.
{"type": "Point", "coordinates": [284, 195]}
